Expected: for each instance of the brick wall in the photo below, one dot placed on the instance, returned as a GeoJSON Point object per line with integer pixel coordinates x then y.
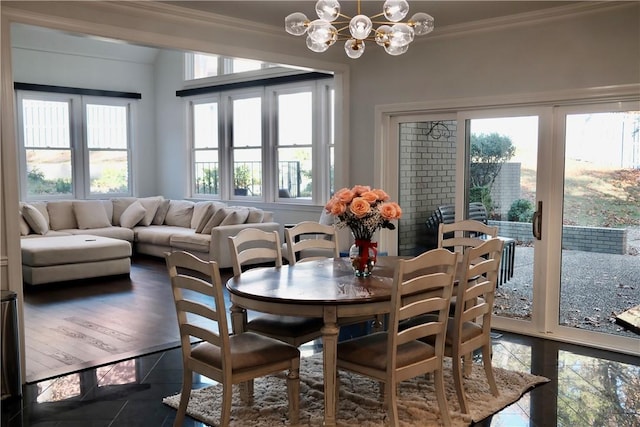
{"type": "Point", "coordinates": [588, 239]}
{"type": "Point", "coordinates": [427, 178]}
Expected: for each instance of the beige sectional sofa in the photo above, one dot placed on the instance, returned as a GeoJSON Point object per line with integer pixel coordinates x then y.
{"type": "Point", "coordinates": [152, 226]}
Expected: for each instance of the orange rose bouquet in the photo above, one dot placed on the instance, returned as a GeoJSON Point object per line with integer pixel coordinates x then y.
{"type": "Point", "coordinates": [363, 210]}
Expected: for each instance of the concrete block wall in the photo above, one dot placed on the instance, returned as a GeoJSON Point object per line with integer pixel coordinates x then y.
{"type": "Point", "coordinates": [427, 177]}
{"type": "Point", "coordinates": [506, 189]}
{"type": "Point", "coordinates": [588, 239]}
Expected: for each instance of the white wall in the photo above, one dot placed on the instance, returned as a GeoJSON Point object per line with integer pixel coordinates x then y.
{"type": "Point", "coordinates": [172, 149]}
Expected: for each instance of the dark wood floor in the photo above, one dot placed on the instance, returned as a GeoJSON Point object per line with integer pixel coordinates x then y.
{"type": "Point", "coordinates": [75, 325]}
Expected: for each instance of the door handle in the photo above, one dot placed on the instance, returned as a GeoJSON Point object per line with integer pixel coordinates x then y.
{"type": "Point", "coordinates": [536, 223]}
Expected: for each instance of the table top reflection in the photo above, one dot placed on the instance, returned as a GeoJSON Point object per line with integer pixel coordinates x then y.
{"type": "Point", "coordinates": [316, 282]}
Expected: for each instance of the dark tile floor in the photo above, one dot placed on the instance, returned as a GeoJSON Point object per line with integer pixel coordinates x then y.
{"type": "Point", "coordinates": [588, 388]}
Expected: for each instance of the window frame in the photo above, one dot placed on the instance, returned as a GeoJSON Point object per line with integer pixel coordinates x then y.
{"type": "Point", "coordinates": [80, 152]}
{"type": "Point", "coordinates": [323, 140]}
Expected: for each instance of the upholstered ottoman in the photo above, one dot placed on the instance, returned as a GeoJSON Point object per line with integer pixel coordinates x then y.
{"type": "Point", "coordinates": [61, 258]}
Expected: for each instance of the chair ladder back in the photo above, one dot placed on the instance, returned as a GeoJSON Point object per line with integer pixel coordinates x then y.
{"type": "Point", "coordinates": [325, 238]}
{"type": "Point", "coordinates": [195, 318]}
{"type": "Point", "coordinates": [476, 297]}
{"type": "Point", "coordinates": [422, 285]}
{"type": "Point", "coordinates": [254, 245]}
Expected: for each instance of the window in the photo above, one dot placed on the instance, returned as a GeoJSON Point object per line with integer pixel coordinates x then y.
{"type": "Point", "coordinates": [201, 66]}
{"type": "Point", "coordinates": [206, 175]}
{"type": "Point", "coordinates": [73, 145]}
{"type": "Point", "coordinates": [272, 143]}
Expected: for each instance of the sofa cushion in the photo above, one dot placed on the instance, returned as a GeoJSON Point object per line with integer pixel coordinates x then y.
{"type": "Point", "coordinates": [90, 214]}
{"type": "Point", "coordinates": [23, 225]}
{"type": "Point", "coordinates": [61, 215]}
{"type": "Point", "coordinates": [159, 234]}
{"type": "Point", "coordinates": [191, 242]}
{"type": "Point", "coordinates": [35, 219]}
{"type": "Point", "coordinates": [151, 206]}
{"type": "Point", "coordinates": [115, 232]}
{"type": "Point", "coordinates": [72, 249]}
{"type": "Point", "coordinates": [119, 206]}
{"type": "Point", "coordinates": [236, 216]}
{"type": "Point", "coordinates": [219, 214]}
{"type": "Point", "coordinates": [179, 213]}
{"type": "Point", "coordinates": [161, 213]}
{"type": "Point", "coordinates": [132, 215]}
{"type": "Point", "coordinates": [255, 216]}
{"type": "Point", "coordinates": [202, 211]}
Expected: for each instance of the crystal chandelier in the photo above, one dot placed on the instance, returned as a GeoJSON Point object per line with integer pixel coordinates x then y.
{"type": "Point", "coordinates": [394, 36]}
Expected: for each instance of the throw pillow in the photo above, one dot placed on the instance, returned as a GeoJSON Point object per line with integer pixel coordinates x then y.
{"type": "Point", "coordinates": [90, 214]}
{"type": "Point", "coordinates": [237, 216]}
{"type": "Point", "coordinates": [35, 219]}
{"type": "Point", "coordinates": [202, 211]}
{"type": "Point", "coordinates": [179, 213]}
{"type": "Point", "coordinates": [132, 215]}
{"type": "Point", "coordinates": [24, 227]}
{"type": "Point", "coordinates": [61, 216]}
{"type": "Point", "coordinates": [161, 213]}
{"type": "Point", "coordinates": [119, 206]}
{"type": "Point", "coordinates": [219, 214]}
{"type": "Point", "coordinates": [151, 205]}
{"type": "Point", "coordinates": [255, 216]}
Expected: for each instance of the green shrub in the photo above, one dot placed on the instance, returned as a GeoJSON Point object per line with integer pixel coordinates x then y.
{"type": "Point", "coordinates": [483, 195]}
{"type": "Point", "coordinates": [521, 210]}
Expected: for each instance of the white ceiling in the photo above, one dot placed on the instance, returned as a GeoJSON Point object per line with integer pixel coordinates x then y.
{"type": "Point", "coordinates": [445, 13]}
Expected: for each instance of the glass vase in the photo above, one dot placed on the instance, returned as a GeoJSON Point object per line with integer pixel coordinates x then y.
{"type": "Point", "coordinates": [363, 255]}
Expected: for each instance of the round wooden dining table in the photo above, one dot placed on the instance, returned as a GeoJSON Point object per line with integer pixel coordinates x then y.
{"type": "Point", "coordinates": [326, 289]}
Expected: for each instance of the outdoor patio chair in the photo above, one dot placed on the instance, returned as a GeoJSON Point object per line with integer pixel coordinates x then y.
{"type": "Point", "coordinates": [227, 359]}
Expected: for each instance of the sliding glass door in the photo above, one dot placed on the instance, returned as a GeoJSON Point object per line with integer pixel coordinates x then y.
{"type": "Point", "coordinates": [600, 263]}
{"type": "Point", "coordinates": [561, 183]}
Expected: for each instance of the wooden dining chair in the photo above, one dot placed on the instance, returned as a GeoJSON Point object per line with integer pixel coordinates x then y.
{"type": "Point", "coordinates": [466, 234]}
{"type": "Point", "coordinates": [251, 246]}
{"type": "Point", "coordinates": [470, 327]}
{"type": "Point", "coordinates": [421, 285]}
{"type": "Point", "coordinates": [227, 359]}
{"type": "Point", "coordinates": [309, 240]}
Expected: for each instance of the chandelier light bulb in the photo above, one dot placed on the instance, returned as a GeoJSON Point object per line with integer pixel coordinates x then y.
{"type": "Point", "coordinates": [360, 27]}
{"type": "Point", "coordinates": [422, 23]}
{"type": "Point", "coordinates": [320, 31]}
{"type": "Point", "coordinates": [329, 10]}
{"type": "Point", "coordinates": [396, 50]}
{"type": "Point", "coordinates": [395, 10]}
{"type": "Point", "coordinates": [315, 46]}
{"type": "Point", "coordinates": [354, 48]}
{"type": "Point", "coordinates": [296, 23]}
{"type": "Point", "coordinates": [394, 34]}
{"type": "Point", "coordinates": [382, 35]}
{"type": "Point", "coordinates": [401, 35]}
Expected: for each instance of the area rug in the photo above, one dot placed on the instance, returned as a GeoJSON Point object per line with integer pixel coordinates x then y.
{"type": "Point", "coordinates": [359, 401]}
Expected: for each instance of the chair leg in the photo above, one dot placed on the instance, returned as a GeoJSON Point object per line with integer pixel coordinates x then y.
{"type": "Point", "coordinates": [391, 392]}
{"type": "Point", "coordinates": [488, 369]}
{"type": "Point", "coordinates": [246, 392]}
{"type": "Point", "coordinates": [457, 379]}
{"type": "Point", "coordinates": [293, 391]}
{"type": "Point", "coordinates": [225, 410]}
{"type": "Point", "coordinates": [442, 398]}
{"type": "Point", "coordinates": [467, 360]}
{"type": "Point", "coordinates": [187, 383]}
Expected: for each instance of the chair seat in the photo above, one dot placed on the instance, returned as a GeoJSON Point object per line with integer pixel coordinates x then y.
{"type": "Point", "coordinates": [469, 329]}
{"type": "Point", "coordinates": [371, 351]}
{"type": "Point", "coordinates": [248, 350]}
{"type": "Point", "coordinates": [272, 324]}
